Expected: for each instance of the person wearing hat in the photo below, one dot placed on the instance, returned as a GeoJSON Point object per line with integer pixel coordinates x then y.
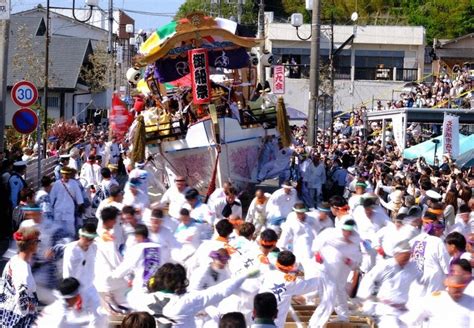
{"type": "Point", "coordinates": [430, 255]}
{"type": "Point", "coordinates": [66, 197]}
{"type": "Point", "coordinates": [390, 281]}
{"type": "Point", "coordinates": [66, 311]}
{"type": "Point", "coordinates": [280, 204]}
{"type": "Point", "coordinates": [338, 251]}
{"type": "Point", "coordinates": [298, 232]}
{"type": "Point", "coordinates": [16, 183]}
{"type": "Point", "coordinates": [450, 306]}
{"type": "Point", "coordinates": [79, 261]}
{"type": "Point", "coordinates": [74, 158]}
{"type": "Point", "coordinates": [63, 161]}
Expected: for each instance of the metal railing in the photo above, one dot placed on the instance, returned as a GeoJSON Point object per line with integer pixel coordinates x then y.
{"type": "Point", "coordinates": [248, 118]}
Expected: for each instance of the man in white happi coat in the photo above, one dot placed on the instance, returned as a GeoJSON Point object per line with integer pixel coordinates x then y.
{"type": "Point", "coordinates": [159, 234]}
{"type": "Point", "coordinates": [338, 252]}
{"type": "Point", "coordinates": [278, 167]}
{"type": "Point", "coordinates": [313, 179]}
{"type": "Point", "coordinates": [298, 233]}
{"type": "Point", "coordinates": [79, 262]}
{"type": "Point", "coordinates": [89, 172]}
{"type": "Point", "coordinates": [450, 307]}
{"type": "Point", "coordinates": [431, 257]}
{"type": "Point", "coordinates": [219, 193]}
{"type": "Point", "coordinates": [322, 216]}
{"type": "Point", "coordinates": [256, 213]}
{"type": "Point", "coordinates": [142, 175]}
{"type": "Point", "coordinates": [224, 229]}
{"type": "Point", "coordinates": [464, 223]}
{"type": "Point", "coordinates": [134, 196]}
{"type": "Point", "coordinates": [115, 199]}
{"type": "Point", "coordinates": [174, 197]}
{"type": "Point", "coordinates": [65, 196]}
{"type": "Point", "coordinates": [207, 276]}
{"type": "Point", "coordinates": [188, 235]}
{"type": "Point", "coordinates": [280, 204]}
{"type": "Point", "coordinates": [202, 213]}
{"type": "Point", "coordinates": [393, 278]}
{"type": "Point", "coordinates": [112, 151]}
{"type": "Point", "coordinates": [67, 310]}
{"type": "Point", "coordinates": [286, 282]}
{"type": "Point", "coordinates": [227, 206]}
{"type": "Point", "coordinates": [370, 218]}
{"type": "Point", "coordinates": [108, 258]}
{"type": "Point", "coordinates": [355, 199]}
{"type": "Point", "coordinates": [143, 260]}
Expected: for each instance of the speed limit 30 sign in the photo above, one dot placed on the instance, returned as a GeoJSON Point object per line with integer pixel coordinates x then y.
{"type": "Point", "coordinates": [24, 94]}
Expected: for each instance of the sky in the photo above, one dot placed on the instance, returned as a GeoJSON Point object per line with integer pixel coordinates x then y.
{"type": "Point", "coordinates": [142, 21]}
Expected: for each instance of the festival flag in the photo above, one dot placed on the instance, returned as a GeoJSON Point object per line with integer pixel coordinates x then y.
{"type": "Point", "coordinates": [120, 118]}
{"type": "Point", "coordinates": [451, 135]}
{"type": "Point", "coordinates": [155, 40]}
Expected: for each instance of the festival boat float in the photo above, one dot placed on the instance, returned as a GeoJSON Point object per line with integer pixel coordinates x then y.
{"type": "Point", "coordinates": [208, 118]}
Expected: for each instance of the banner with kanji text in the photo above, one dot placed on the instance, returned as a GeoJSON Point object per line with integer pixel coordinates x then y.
{"type": "Point", "coordinates": [199, 69]}
{"type": "Point", "coordinates": [451, 135]}
{"type": "Point", "coordinates": [278, 79]}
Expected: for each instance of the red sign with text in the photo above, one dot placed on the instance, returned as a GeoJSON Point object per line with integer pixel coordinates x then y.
{"type": "Point", "coordinates": [279, 79]}
{"type": "Point", "coordinates": [199, 68]}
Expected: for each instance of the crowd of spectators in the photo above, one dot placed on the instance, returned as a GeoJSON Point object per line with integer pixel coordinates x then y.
{"type": "Point", "coordinates": [455, 90]}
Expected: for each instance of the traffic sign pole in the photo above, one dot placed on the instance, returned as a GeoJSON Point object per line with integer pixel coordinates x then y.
{"type": "Point", "coordinates": [39, 152]}
{"type": "Point", "coordinates": [4, 33]}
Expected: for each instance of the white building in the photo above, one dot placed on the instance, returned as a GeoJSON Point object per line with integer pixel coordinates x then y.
{"type": "Point", "coordinates": [376, 61]}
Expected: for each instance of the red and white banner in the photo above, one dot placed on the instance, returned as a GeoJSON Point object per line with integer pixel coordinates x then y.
{"type": "Point", "coordinates": [279, 79]}
{"type": "Point", "coordinates": [120, 118]}
{"type": "Point", "coordinates": [199, 68]}
{"type": "Point", "coordinates": [451, 135]}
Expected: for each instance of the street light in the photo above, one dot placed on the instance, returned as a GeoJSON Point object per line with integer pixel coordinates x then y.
{"type": "Point", "coordinates": [90, 3]}
{"type": "Point", "coordinates": [297, 21]}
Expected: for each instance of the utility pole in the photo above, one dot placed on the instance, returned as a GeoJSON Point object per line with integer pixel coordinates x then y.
{"type": "Point", "coordinates": [5, 34]}
{"type": "Point", "coordinates": [261, 36]}
{"type": "Point", "coordinates": [46, 81]}
{"type": "Point", "coordinates": [110, 19]}
{"type": "Point", "coordinates": [239, 10]}
{"type": "Point", "coordinates": [331, 63]}
{"type": "Point", "coordinates": [314, 73]}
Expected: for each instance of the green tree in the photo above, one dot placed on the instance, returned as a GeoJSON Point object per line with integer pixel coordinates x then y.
{"type": "Point", "coordinates": [441, 18]}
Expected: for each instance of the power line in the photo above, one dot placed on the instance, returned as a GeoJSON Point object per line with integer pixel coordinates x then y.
{"type": "Point", "coordinates": [148, 13]}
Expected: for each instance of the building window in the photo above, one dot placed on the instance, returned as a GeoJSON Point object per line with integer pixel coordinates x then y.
{"type": "Point", "coordinates": [52, 101]}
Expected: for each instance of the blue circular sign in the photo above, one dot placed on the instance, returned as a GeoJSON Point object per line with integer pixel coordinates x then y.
{"type": "Point", "coordinates": [25, 120]}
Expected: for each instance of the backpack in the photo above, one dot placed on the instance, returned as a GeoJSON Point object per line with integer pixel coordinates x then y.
{"type": "Point", "coordinates": [100, 195]}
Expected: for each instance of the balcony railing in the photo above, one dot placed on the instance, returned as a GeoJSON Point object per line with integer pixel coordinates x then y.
{"type": "Point", "coordinates": [300, 71]}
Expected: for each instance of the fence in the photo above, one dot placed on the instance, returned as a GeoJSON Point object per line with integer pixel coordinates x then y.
{"type": "Point", "coordinates": [47, 168]}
